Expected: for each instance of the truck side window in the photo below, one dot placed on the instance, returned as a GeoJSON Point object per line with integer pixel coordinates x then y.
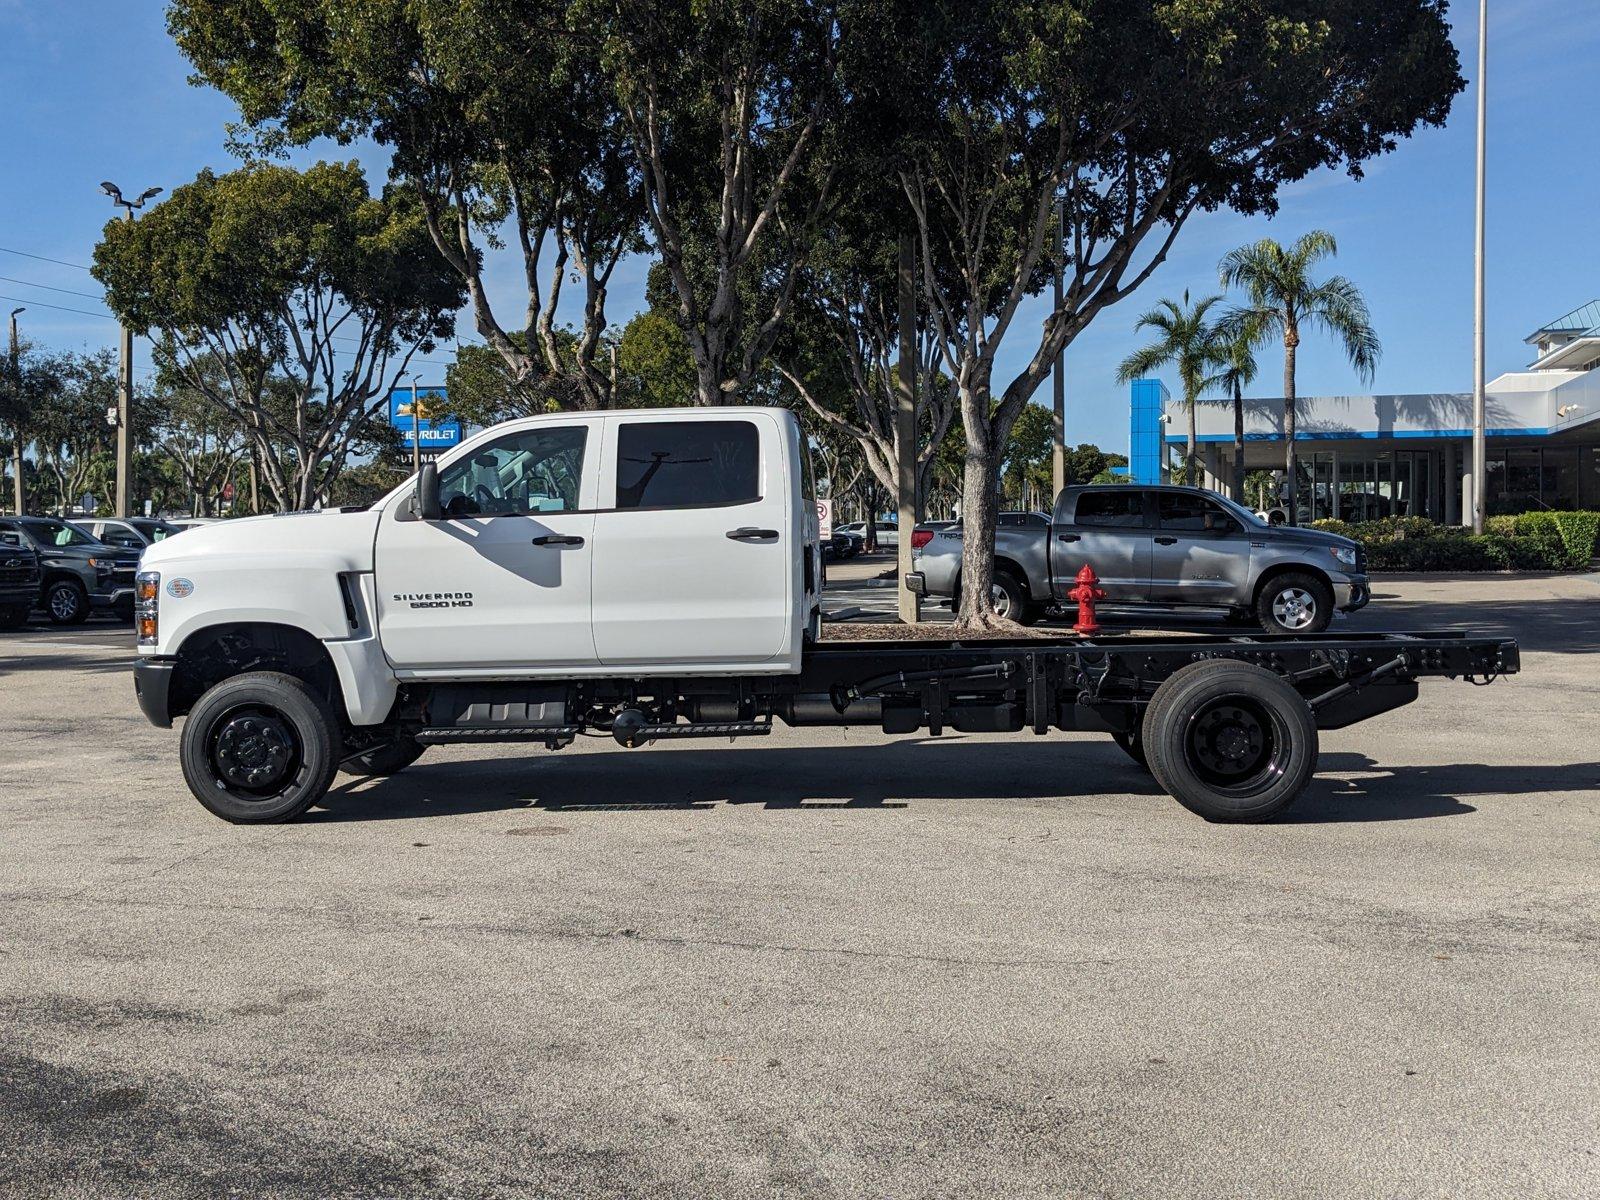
{"type": "Point", "coordinates": [534, 471]}
{"type": "Point", "coordinates": [1119, 507]}
{"type": "Point", "coordinates": [1192, 514]}
{"type": "Point", "coordinates": [683, 464]}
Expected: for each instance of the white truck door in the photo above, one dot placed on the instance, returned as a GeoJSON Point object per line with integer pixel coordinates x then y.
{"type": "Point", "coordinates": [502, 583]}
{"type": "Point", "coordinates": [695, 542]}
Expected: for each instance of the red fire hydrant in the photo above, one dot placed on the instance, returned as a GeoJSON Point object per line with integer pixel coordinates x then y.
{"type": "Point", "coordinates": [1086, 593]}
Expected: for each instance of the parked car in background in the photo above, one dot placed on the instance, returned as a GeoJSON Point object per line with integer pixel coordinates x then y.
{"type": "Point", "coordinates": [841, 546]}
{"type": "Point", "coordinates": [888, 537]}
{"type": "Point", "coordinates": [1176, 548]}
{"type": "Point", "coordinates": [80, 573]}
{"type": "Point", "coordinates": [19, 578]}
{"type": "Point", "coordinates": [132, 533]}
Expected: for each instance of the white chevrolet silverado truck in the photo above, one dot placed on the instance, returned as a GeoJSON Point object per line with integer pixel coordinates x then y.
{"type": "Point", "coordinates": [655, 575]}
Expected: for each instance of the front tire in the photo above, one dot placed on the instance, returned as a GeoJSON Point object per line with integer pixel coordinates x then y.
{"type": "Point", "coordinates": [1294, 603]}
{"type": "Point", "coordinates": [66, 602]}
{"type": "Point", "coordinates": [260, 747]}
{"type": "Point", "coordinates": [1230, 741]}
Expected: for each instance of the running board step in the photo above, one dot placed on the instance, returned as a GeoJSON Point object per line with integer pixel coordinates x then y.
{"type": "Point", "coordinates": [632, 733]}
{"type": "Point", "coordinates": [550, 735]}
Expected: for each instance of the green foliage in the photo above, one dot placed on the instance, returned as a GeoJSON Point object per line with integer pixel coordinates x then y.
{"type": "Point", "coordinates": [269, 276]}
{"type": "Point", "coordinates": [1541, 541]}
{"type": "Point", "coordinates": [1568, 538]}
{"type": "Point", "coordinates": [655, 368]}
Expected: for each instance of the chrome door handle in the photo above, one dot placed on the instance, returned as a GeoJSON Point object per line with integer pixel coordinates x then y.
{"type": "Point", "coordinates": [1166, 541]}
{"type": "Point", "coordinates": [557, 539]}
{"type": "Point", "coordinates": [749, 533]}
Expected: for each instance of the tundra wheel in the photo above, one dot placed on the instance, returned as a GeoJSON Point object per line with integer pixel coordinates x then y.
{"type": "Point", "coordinates": [66, 602]}
{"type": "Point", "coordinates": [1230, 741]}
{"type": "Point", "coordinates": [1010, 599]}
{"type": "Point", "coordinates": [260, 747]}
{"type": "Point", "coordinates": [1295, 604]}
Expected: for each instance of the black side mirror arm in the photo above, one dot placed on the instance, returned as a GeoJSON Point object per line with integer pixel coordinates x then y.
{"type": "Point", "coordinates": [428, 506]}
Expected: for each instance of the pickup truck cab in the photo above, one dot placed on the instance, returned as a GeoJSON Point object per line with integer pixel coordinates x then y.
{"type": "Point", "coordinates": [80, 573]}
{"type": "Point", "coordinates": [1169, 548]}
{"type": "Point", "coordinates": [654, 575]}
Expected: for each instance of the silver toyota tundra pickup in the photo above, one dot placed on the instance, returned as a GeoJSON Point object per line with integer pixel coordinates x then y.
{"type": "Point", "coordinates": [1157, 547]}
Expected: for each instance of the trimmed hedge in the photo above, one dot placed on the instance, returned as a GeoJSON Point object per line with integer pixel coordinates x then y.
{"type": "Point", "coordinates": [1540, 541]}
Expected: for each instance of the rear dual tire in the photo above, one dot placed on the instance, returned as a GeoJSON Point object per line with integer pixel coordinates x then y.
{"type": "Point", "coordinates": [1231, 742]}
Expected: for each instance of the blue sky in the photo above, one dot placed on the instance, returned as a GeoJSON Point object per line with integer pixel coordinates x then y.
{"type": "Point", "coordinates": [94, 90]}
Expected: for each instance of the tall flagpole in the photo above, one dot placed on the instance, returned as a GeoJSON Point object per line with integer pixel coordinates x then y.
{"type": "Point", "coordinates": [1479, 456]}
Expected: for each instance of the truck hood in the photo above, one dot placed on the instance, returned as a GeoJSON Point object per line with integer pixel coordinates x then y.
{"type": "Point", "coordinates": [337, 538]}
{"type": "Point", "coordinates": [1297, 536]}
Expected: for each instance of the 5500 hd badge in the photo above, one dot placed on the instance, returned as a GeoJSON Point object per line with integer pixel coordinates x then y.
{"type": "Point", "coordinates": [434, 599]}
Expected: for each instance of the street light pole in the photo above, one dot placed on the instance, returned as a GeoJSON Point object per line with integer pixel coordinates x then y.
{"type": "Point", "coordinates": [124, 497]}
{"type": "Point", "coordinates": [1058, 420]}
{"type": "Point", "coordinates": [1480, 465]}
{"type": "Point", "coordinates": [16, 430]}
{"type": "Point", "coordinates": [416, 430]}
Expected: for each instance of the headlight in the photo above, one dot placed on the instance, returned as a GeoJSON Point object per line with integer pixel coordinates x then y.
{"type": "Point", "coordinates": [1345, 554]}
{"type": "Point", "coordinates": [146, 618]}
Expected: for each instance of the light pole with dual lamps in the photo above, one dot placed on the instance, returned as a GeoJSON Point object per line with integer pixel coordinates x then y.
{"type": "Point", "coordinates": [16, 430]}
{"type": "Point", "coordinates": [124, 498]}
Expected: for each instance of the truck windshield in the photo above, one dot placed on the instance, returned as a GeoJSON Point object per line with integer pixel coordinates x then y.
{"type": "Point", "coordinates": [58, 533]}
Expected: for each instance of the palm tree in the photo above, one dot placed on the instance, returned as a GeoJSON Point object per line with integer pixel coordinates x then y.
{"type": "Point", "coordinates": [1186, 339]}
{"type": "Point", "coordinates": [1235, 339]}
{"type": "Point", "coordinates": [1282, 298]}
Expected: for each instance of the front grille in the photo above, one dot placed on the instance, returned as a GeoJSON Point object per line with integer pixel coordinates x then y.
{"type": "Point", "coordinates": [1361, 560]}
{"type": "Point", "coordinates": [19, 574]}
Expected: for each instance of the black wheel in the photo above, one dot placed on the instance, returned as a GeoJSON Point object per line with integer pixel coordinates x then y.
{"type": "Point", "coordinates": [1132, 744]}
{"type": "Point", "coordinates": [1010, 598]}
{"type": "Point", "coordinates": [260, 747]}
{"type": "Point", "coordinates": [66, 602]}
{"type": "Point", "coordinates": [385, 760]}
{"type": "Point", "coordinates": [1294, 604]}
{"type": "Point", "coordinates": [1230, 741]}
{"type": "Point", "coordinates": [14, 617]}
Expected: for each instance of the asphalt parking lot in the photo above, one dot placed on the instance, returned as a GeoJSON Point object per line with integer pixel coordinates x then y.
{"type": "Point", "coordinates": [828, 964]}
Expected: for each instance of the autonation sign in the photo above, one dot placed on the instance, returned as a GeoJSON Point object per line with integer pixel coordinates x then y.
{"type": "Point", "coordinates": [419, 415]}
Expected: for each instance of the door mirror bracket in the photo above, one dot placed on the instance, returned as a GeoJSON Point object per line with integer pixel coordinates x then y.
{"type": "Point", "coordinates": [428, 506]}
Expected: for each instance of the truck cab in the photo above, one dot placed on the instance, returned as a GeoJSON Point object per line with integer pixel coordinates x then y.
{"type": "Point", "coordinates": [563, 545]}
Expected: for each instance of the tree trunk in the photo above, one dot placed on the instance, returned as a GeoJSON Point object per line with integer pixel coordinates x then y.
{"type": "Point", "coordinates": [1291, 340]}
{"type": "Point", "coordinates": [1238, 443]}
{"type": "Point", "coordinates": [1191, 466]}
{"type": "Point", "coordinates": [979, 504]}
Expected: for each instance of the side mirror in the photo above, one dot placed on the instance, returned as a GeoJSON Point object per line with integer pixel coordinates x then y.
{"type": "Point", "coordinates": [428, 507]}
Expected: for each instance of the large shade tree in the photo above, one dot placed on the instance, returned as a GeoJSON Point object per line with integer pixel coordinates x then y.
{"type": "Point", "coordinates": [501, 120]}
{"type": "Point", "coordinates": [270, 273]}
{"type": "Point", "coordinates": [1284, 299]}
{"type": "Point", "coordinates": [1080, 136]}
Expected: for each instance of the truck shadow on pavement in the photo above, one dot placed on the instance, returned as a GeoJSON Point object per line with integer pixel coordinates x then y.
{"type": "Point", "coordinates": [891, 777]}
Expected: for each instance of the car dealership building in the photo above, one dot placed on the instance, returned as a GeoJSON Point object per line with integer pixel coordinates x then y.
{"type": "Point", "coordinates": [1363, 457]}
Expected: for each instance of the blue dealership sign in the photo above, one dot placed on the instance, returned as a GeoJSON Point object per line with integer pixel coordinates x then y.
{"type": "Point", "coordinates": [421, 417]}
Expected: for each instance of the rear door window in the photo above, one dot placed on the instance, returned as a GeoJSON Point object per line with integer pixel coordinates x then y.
{"type": "Point", "coordinates": [1119, 508]}
{"type": "Point", "coordinates": [688, 464]}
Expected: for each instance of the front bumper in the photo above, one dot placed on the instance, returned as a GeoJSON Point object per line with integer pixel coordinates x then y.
{"type": "Point", "coordinates": [1351, 593]}
{"type": "Point", "coordinates": [152, 683]}
{"type": "Point", "coordinates": [115, 598]}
